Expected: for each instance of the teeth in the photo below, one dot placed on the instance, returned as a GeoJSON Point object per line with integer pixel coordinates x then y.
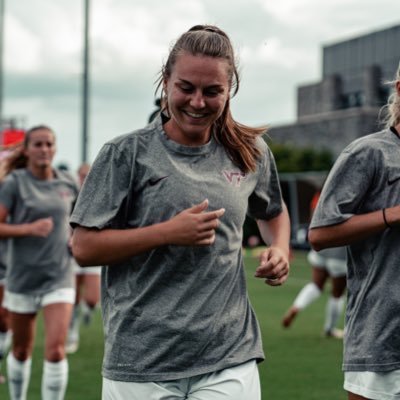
{"type": "Point", "coordinates": [195, 115]}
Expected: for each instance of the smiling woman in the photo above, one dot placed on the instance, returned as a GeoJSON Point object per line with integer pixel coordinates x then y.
{"type": "Point", "coordinates": [196, 94]}
{"type": "Point", "coordinates": [162, 209]}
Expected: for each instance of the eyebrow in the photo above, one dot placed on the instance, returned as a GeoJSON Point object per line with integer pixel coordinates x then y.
{"type": "Point", "coordinates": [43, 141]}
{"type": "Point", "coordinates": [216, 85]}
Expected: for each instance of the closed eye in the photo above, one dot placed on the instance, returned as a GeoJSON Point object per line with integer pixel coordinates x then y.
{"type": "Point", "coordinates": [186, 89]}
{"type": "Point", "coordinates": [211, 92]}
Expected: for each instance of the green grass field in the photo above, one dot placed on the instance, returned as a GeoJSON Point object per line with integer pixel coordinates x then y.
{"type": "Point", "coordinates": [301, 364]}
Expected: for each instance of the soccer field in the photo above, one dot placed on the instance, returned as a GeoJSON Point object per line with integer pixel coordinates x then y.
{"type": "Point", "coordinates": [301, 364]}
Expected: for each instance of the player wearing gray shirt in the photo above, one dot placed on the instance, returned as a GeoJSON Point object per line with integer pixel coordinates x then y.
{"type": "Point", "coordinates": [39, 265]}
{"type": "Point", "coordinates": [365, 179]}
{"type": "Point", "coordinates": [191, 301]}
{"type": "Point", "coordinates": [35, 204]}
{"type": "Point", "coordinates": [163, 208]}
{"type": "Point", "coordinates": [359, 207]}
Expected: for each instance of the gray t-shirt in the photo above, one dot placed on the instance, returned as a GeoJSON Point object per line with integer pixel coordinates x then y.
{"type": "Point", "coordinates": [366, 178]}
{"type": "Point", "coordinates": [39, 265]}
{"type": "Point", "coordinates": [175, 311]}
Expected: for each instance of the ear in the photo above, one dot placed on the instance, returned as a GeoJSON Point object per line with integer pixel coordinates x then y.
{"type": "Point", "coordinates": [398, 87]}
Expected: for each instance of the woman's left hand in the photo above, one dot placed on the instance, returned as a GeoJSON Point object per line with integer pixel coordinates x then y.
{"type": "Point", "coordinates": [274, 266]}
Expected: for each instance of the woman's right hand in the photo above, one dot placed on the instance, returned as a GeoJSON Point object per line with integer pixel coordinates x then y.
{"type": "Point", "coordinates": [41, 227]}
{"type": "Point", "coordinates": [194, 226]}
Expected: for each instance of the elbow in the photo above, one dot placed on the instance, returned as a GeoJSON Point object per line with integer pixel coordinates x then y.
{"type": "Point", "coordinates": [315, 240]}
{"type": "Point", "coordinates": [80, 255]}
{"type": "Point", "coordinates": [81, 249]}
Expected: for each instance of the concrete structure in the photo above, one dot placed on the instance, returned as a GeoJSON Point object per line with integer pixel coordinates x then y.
{"type": "Point", "coordinates": [331, 113]}
{"type": "Point", "coordinates": [345, 104]}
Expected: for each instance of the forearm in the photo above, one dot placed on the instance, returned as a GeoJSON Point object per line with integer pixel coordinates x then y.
{"type": "Point", "coordinates": [112, 246]}
{"type": "Point", "coordinates": [276, 231]}
{"type": "Point", "coordinates": [274, 261]}
{"type": "Point", "coordinates": [10, 230]}
{"type": "Point", "coordinates": [191, 227]}
{"type": "Point", "coordinates": [356, 228]}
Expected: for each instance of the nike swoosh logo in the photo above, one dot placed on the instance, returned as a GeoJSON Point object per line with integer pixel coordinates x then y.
{"type": "Point", "coordinates": [153, 182]}
{"type": "Point", "coordinates": [391, 181]}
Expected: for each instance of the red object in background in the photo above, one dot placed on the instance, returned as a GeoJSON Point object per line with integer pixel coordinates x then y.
{"type": "Point", "coordinates": [11, 136]}
{"type": "Point", "coordinates": [314, 202]}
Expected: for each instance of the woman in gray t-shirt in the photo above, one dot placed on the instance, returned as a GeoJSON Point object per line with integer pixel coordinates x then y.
{"type": "Point", "coordinates": [35, 204]}
{"type": "Point", "coordinates": [163, 209]}
{"type": "Point", "coordinates": [360, 207]}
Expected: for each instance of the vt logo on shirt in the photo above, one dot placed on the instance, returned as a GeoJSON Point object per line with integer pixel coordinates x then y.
{"type": "Point", "coordinates": [65, 194]}
{"type": "Point", "coordinates": [234, 177]}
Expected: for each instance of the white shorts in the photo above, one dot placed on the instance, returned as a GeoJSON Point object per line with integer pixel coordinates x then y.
{"type": "Point", "coordinates": [373, 385]}
{"type": "Point", "coordinates": [237, 383]}
{"type": "Point", "coordinates": [27, 304]}
{"type": "Point", "coordinates": [334, 266]}
{"type": "Point", "coordinates": [78, 270]}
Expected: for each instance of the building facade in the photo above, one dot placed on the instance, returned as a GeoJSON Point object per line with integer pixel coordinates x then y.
{"type": "Point", "coordinates": [331, 113]}
{"type": "Point", "coordinates": [346, 103]}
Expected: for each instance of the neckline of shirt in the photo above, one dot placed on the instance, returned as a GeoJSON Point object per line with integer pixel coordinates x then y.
{"type": "Point", "coordinates": [180, 148]}
{"type": "Point", "coordinates": [394, 130]}
{"type": "Point", "coordinates": [55, 176]}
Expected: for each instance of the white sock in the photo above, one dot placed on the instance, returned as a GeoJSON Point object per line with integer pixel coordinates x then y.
{"type": "Point", "coordinates": [19, 373]}
{"type": "Point", "coordinates": [5, 341]}
{"type": "Point", "coordinates": [307, 295]}
{"type": "Point", "coordinates": [334, 309]}
{"type": "Point", "coordinates": [55, 380]}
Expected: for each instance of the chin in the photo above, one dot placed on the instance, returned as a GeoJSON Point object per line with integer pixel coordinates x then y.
{"type": "Point", "coordinates": [44, 164]}
{"type": "Point", "coordinates": [197, 131]}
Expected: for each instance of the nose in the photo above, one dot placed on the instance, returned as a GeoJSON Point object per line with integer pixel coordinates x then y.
{"type": "Point", "coordinates": [197, 100]}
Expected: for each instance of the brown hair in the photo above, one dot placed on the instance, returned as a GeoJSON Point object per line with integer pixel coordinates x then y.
{"type": "Point", "coordinates": [239, 140]}
{"type": "Point", "coordinates": [13, 160]}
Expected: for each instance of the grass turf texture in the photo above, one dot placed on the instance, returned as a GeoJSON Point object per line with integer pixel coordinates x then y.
{"type": "Point", "coordinates": [301, 364]}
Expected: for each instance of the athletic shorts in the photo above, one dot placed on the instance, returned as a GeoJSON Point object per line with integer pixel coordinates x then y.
{"type": "Point", "coordinates": [78, 270]}
{"type": "Point", "coordinates": [334, 266]}
{"type": "Point", "coordinates": [28, 304]}
{"type": "Point", "coordinates": [373, 385]}
{"type": "Point", "coordinates": [238, 383]}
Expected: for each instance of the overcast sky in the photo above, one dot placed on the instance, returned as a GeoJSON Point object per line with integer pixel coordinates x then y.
{"type": "Point", "coordinates": [278, 42]}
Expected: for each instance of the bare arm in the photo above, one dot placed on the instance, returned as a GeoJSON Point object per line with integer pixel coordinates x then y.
{"type": "Point", "coordinates": [354, 229]}
{"type": "Point", "coordinates": [41, 227]}
{"type": "Point", "coordinates": [274, 261]}
{"type": "Point", "coordinates": [191, 227]}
